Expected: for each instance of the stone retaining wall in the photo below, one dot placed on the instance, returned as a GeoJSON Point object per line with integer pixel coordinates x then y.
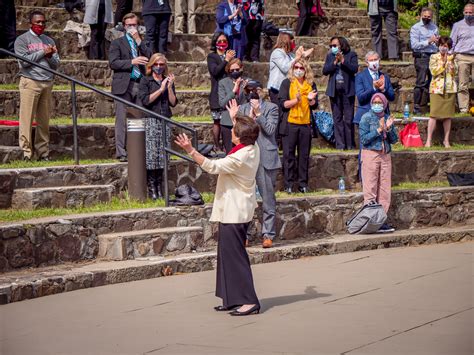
{"type": "Point", "coordinates": [57, 240]}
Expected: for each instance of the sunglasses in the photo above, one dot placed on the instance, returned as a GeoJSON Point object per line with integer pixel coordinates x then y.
{"type": "Point", "coordinates": [221, 42]}
{"type": "Point", "coordinates": [234, 70]}
{"type": "Point", "coordinates": [332, 45]}
{"type": "Point", "coordinates": [160, 65]}
{"type": "Point", "coordinates": [298, 67]}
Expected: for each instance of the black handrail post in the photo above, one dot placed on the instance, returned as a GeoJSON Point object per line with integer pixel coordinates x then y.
{"type": "Point", "coordinates": [165, 163]}
{"type": "Point", "coordinates": [74, 123]}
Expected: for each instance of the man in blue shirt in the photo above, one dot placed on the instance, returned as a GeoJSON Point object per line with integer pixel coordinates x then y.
{"type": "Point", "coordinates": [424, 39]}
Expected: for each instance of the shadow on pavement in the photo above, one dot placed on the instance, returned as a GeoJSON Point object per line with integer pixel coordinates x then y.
{"type": "Point", "coordinates": [309, 294]}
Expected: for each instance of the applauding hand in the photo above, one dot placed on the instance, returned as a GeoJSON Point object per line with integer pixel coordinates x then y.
{"type": "Point", "coordinates": [233, 109]}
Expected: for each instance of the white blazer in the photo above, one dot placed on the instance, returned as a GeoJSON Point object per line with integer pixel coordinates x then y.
{"type": "Point", "coordinates": [235, 199]}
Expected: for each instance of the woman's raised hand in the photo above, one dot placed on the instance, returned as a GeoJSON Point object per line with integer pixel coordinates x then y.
{"type": "Point", "coordinates": [184, 142]}
{"type": "Point", "coordinates": [312, 95]}
{"type": "Point", "coordinates": [233, 109]}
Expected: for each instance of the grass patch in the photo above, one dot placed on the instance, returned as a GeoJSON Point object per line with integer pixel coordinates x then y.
{"type": "Point", "coordinates": [397, 148]}
{"type": "Point", "coordinates": [420, 185]}
{"type": "Point", "coordinates": [20, 164]}
{"type": "Point", "coordinates": [56, 87]}
{"type": "Point", "coordinates": [116, 204]}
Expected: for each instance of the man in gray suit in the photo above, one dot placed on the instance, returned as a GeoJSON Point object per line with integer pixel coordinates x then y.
{"type": "Point", "coordinates": [266, 115]}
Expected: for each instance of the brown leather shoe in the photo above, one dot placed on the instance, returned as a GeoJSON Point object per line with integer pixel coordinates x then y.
{"type": "Point", "coordinates": [267, 243]}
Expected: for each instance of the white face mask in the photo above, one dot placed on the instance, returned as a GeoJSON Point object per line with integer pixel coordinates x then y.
{"type": "Point", "coordinates": [298, 73]}
{"type": "Point", "coordinates": [374, 65]}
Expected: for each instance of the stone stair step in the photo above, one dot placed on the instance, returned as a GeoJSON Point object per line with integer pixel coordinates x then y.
{"type": "Point", "coordinates": [185, 47]}
{"type": "Point", "coordinates": [149, 242]}
{"type": "Point", "coordinates": [18, 286]}
{"type": "Point", "coordinates": [9, 153]}
{"type": "Point", "coordinates": [195, 74]}
{"type": "Point", "coordinates": [205, 18]}
{"type": "Point", "coordinates": [61, 197]}
{"type": "Point", "coordinates": [190, 103]}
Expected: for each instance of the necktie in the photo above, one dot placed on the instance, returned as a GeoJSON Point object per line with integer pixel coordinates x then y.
{"type": "Point", "coordinates": [135, 71]}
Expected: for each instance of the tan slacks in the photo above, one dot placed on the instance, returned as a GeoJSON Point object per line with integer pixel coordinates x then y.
{"type": "Point", "coordinates": [377, 177]}
{"type": "Point", "coordinates": [35, 104]}
{"type": "Point", "coordinates": [179, 18]}
{"type": "Point", "coordinates": [465, 64]}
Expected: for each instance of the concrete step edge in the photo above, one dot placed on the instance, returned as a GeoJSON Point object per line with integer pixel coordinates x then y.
{"type": "Point", "coordinates": [138, 233]}
{"type": "Point", "coordinates": [65, 188]}
{"type": "Point", "coordinates": [16, 287]}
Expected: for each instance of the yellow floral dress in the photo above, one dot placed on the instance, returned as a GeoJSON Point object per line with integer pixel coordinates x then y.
{"type": "Point", "coordinates": [443, 87]}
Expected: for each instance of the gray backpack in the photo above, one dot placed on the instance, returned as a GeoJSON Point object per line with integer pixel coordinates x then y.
{"type": "Point", "coordinates": [367, 220]}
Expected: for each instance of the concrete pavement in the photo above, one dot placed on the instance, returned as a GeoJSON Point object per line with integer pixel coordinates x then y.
{"type": "Point", "coordinates": [391, 301]}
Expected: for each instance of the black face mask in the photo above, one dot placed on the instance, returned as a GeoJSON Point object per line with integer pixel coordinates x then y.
{"type": "Point", "coordinates": [235, 75]}
{"type": "Point", "coordinates": [158, 70]}
{"type": "Point", "coordinates": [252, 96]}
{"type": "Point", "coordinates": [426, 21]}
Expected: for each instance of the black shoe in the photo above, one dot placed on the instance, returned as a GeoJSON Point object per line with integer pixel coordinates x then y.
{"type": "Point", "coordinates": [386, 228]}
{"type": "Point", "coordinates": [255, 309]}
{"type": "Point", "coordinates": [224, 309]}
{"type": "Point", "coordinates": [45, 158]}
{"type": "Point", "coordinates": [26, 158]}
{"type": "Point", "coordinates": [289, 190]}
{"type": "Point", "coordinates": [122, 159]}
{"type": "Point", "coordinates": [303, 190]}
{"type": "Point", "coordinates": [158, 182]}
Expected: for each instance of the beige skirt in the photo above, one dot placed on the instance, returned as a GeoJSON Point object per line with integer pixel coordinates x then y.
{"type": "Point", "coordinates": [442, 106]}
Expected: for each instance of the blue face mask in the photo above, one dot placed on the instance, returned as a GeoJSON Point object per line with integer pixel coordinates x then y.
{"type": "Point", "coordinates": [377, 108]}
{"type": "Point", "coordinates": [335, 50]}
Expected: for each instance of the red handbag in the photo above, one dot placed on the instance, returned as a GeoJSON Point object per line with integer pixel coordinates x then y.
{"type": "Point", "coordinates": [410, 136]}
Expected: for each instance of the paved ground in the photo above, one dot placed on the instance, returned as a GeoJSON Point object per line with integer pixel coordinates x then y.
{"type": "Point", "coordinates": [393, 301]}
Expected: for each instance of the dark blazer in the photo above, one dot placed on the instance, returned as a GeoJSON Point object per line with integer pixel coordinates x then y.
{"type": "Point", "coordinates": [216, 66]}
{"type": "Point", "coordinates": [161, 105]}
{"type": "Point", "coordinates": [120, 61]}
{"type": "Point", "coordinates": [283, 96]}
{"type": "Point", "coordinates": [268, 122]}
{"type": "Point", "coordinates": [224, 24]}
{"type": "Point", "coordinates": [152, 7]}
{"type": "Point", "coordinates": [364, 87]}
{"type": "Point", "coordinates": [348, 69]}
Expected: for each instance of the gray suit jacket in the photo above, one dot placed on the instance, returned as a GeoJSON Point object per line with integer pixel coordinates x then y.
{"type": "Point", "coordinates": [266, 140]}
{"type": "Point", "coordinates": [226, 93]}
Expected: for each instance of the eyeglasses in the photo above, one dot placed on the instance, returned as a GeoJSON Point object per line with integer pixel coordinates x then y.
{"type": "Point", "coordinates": [234, 70]}
{"type": "Point", "coordinates": [298, 67]}
{"type": "Point", "coordinates": [160, 65]}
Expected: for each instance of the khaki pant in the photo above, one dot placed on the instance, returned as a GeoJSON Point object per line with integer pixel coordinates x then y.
{"type": "Point", "coordinates": [35, 103]}
{"type": "Point", "coordinates": [179, 19]}
{"type": "Point", "coordinates": [465, 63]}
{"type": "Point", "coordinates": [377, 177]}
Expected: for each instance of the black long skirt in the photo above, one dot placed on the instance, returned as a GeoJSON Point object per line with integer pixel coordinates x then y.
{"type": "Point", "coordinates": [234, 282]}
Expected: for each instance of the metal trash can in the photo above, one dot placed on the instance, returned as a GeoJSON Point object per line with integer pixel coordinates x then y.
{"type": "Point", "coordinates": [136, 155]}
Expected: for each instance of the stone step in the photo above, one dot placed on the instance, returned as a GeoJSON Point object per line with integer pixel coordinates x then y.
{"type": "Point", "coordinates": [66, 176]}
{"type": "Point", "coordinates": [185, 47]}
{"type": "Point", "coordinates": [204, 5]}
{"type": "Point", "coordinates": [190, 103]}
{"type": "Point", "coordinates": [9, 153]}
{"type": "Point", "coordinates": [18, 286]}
{"type": "Point", "coordinates": [96, 141]}
{"type": "Point", "coordinates": [205, 19]}
{"type": "Point", "coordinates": [194, 74]}
{"type": "Point", "coordinates": [61, 197]}
{"type": "Point", "coordinates": [149, 242]}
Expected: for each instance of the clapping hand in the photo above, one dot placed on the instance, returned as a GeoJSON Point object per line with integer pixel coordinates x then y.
{"type": "Point", "coordinates": [184, 142]}
{"type": "Point", "coordinates": [312, 95]}
{"type": "Point", "coordinates": [229, 55]}
{"type": "Point", "coordinates": [390, 122]}
{"type": "Point", "coordinates": [381, 124]}
{"type": "Point", "coordinates": [237, 85]}
{"type": "Point", "coordinates": [171, 78]}
{"type": "Point", "coordinates": [49, 51]}
{"type": "Point", "coordinates": [164, 83]}
{"type": "Point", "coordinates": [255, 104]}
{"type": "Point", "coordinates": [140, 60]}
{"type": "Point", "coordinates": [233, 109]}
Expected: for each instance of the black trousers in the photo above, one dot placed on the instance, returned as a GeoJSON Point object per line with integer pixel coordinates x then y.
{"type": "Point", "coordinates": [156, 35]}
{"type": "Point", "coordinates": [303, 27]}
{"type": "Point", "coordinates": [97, 44]}
{"type": "Point", "coordinates": [254, 32]}
{"type": "Point", "coordinates": [226, 132]}
{"type": "Point", "coordinates": [7, 25]}
{"type": "Point", "coordinates": [123, 7]}
{"type": "Point", "coordinates": [234, 281]}
{"type": "Point", "coordinates": [342, 107]}
{"type": "Point", "coordinates": [423, 79]}
{"type": "Point", "coordinates": [298, 139]}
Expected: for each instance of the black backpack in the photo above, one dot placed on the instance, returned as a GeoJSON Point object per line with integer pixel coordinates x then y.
{"type": "Point", "coordinates": [186, 195]}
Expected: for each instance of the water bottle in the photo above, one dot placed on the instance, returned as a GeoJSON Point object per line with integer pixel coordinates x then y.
{"type": "Point", "coordinates": [342, 185]}
{"type": "Point", "coordinates": [406, 112]}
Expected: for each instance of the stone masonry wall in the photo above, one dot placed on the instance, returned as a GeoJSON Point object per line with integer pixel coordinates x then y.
{"type": "Point", "coordinates": [56, 240]}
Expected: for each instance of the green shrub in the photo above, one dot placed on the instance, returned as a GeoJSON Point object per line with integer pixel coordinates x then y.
{"type": "Point", "coordinates": [450, 10]}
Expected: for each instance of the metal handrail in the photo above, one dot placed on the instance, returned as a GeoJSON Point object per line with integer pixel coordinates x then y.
{"type": "Point", "coordinates": [165, 120]}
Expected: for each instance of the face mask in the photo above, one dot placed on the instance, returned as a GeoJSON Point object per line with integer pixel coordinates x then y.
{"type": "Point", "coordinates": [158, 70]}
{"type": "Point", "coordinates": [469, 18]}
{"type": "Point", "coordinates": [375, 65]}
{"type": "Point", "coordinates": [443, 50]}
{"type": "Point", "coordinates": [298, 73]}
{"type": "Point", "coordinates": [334, 50]}
{"type": "Point", "coordinates": [377, 108]}
{"type": "Point", "coordinates": [426, 21]}
{"type": "Point", "coordinates": [38, 29]}
{"type": "Point", "coordinates": [235, 75]}
{"type": "Point", "coordinates": [292, 46]}
{"type": "Point", "coordinates": [222, 46]}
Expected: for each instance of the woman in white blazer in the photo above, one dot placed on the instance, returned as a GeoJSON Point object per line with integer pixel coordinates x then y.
{"type": "Point", "coordinates": [234, 206]}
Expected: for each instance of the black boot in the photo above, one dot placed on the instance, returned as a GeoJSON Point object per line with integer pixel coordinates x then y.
{"type": "Point", "coordinates": [150, 180]}
{"type": "Point", "coordinates": [159, 183]}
